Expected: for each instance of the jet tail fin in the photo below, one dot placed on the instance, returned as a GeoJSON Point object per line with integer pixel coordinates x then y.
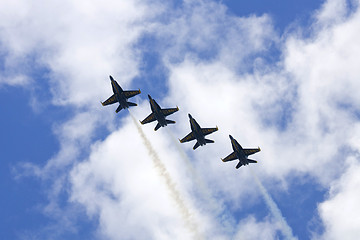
{"type": "Point", "coordinates": [132, 104]}
{"type": "Point", "coordinates": [157, 127]}
{"type": "Point", "coordinates": [196, 145]}
{"type": "Point", "coordinates": [238, 165]}
{"type": "Point", "coordinates": [209, 141]}
{"type": "Point", "coordinates": [252, 161]}
{"type": "Point", "coordinates": [170, 121]}
{"type": "Point", "coordinates": [118, 109]}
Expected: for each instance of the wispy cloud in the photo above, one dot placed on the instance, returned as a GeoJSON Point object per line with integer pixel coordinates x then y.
{"type": "Point", "coordinates": [301, 110]}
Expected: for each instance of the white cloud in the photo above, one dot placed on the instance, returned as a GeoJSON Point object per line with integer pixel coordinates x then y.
{"type": "Point", "coordinates": [318, 80]}
{"type": "Point", "coordinates": [332, 12]}
{"type": "Point", "coordinates": [14, 80]}
{"type": "Point", "coordinates": [79, 43]}
{"type": "Point", "coordinates": [314, 86]}
{"type": "Point", "coordinates": [120, 185]}
{"type": "Point", "coordinates": [340, 211]}
{"type": "Point", "coordinates": [204, 28]}
{"type": "Point", "coordinates": [250, 229]}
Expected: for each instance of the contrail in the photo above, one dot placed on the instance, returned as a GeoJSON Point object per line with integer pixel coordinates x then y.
{"type": "Point", "coordinates": [174, 193]}
{"type": "Point", "coordinates": [183, 155]}
{"type": "Point", "coordinates": [213, 205]}
{"type": "Point", "coordinates": [285, 228]}
{"type": "Point", "coordinates": [199, 183]}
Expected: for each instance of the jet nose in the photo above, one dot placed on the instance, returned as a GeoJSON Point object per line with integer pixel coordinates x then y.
{"type": "Point", "coordinates": [111, 78]}
{"type": "Point", "coordinates": [149, 96]}
{"type": "Point", "coordinates": [230, 137]}
{"type": "Point", "coordinates": [190, 116]}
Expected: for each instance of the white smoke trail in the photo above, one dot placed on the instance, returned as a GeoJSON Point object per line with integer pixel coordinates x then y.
{"type": "Point", "coordinates": [285, 228]}
{"type": "Point", "coordinates": [212, 204]}
{"type": "Point", "coordinates": [174, 193]}
{"type": "Point", "coordinates": [183, 155]}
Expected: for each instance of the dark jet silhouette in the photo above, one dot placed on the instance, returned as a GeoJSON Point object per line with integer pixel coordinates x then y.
{"type": "Point", "coordinates": [120, 96]}
{"type": "Point", "coordinates": [198, 133]}
{"type": "Point", "coordinates": [159, 114]}
{"type": "Point", "coordinates": [240, 153]}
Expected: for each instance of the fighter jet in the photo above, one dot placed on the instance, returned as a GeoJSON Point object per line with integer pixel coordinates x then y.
{"type": "Point", "coordinates": [240, 153]}
{"type": "Point", "coordinates": [159, 114]}
{"type": "Point", "coordinates": [120, 96]}
{"type": "Point", "coordinates": [198, 133]}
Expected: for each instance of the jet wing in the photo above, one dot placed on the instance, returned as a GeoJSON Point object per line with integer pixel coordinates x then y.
{"type": "Point", "coordinates": [232, 156]}
{"type": "Point", "coordinates": [207, 131]}
{"type": "Point", "coordinates": [250, 151]}
{"type": "Point", "coordinates": [149, 119]}
{"type": "Point", "coordinates": [110, 100]}
{"type": "Point", "coordinates": [129, 94]}
{"type": "Point", "coordinates": [189, 137]}
{"type": "Point", "coordinates": [168, 111]}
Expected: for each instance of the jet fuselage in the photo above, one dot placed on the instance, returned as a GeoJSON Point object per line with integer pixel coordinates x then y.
{"type": "Point", "coordinates": [118, 91]}
{"type": "Point", "coordinates": [195, 127]}
{"type": "Point", "coordinates": [156, 109]}
{"type": "Point", "coordinates": [239, 151]}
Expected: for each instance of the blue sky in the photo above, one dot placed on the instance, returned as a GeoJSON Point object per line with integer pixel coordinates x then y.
{"type": "Point", "coordinates": [272, 74]}
{"type": "Point", "coordinates": [284, 13]}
